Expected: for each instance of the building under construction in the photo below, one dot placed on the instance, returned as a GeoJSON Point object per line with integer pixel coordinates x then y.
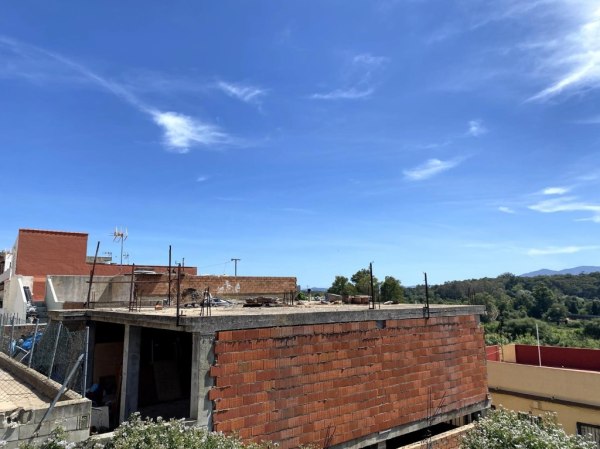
{"type": "Point", "coordinates": [340, 376]}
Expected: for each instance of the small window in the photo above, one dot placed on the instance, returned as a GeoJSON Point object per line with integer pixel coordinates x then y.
{"type": "Point", "coordinates": [589, 429]}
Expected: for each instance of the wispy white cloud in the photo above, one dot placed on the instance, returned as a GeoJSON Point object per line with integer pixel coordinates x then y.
{"type": "Point", "coordinates": [429, 169]}
{"type": "Point", "coordinates": [567, 204]}
{"type": "Point", "coordinates": [553, 250]}
{"type": "Point", "coordinates": [358, 75]}
{"type": "Point", "coordinates": [202, 178]}
{"type": "Point", "coordinates": [555, 190]}
{"type": "Point", "coordinates": [571, 57]}
{"type": "Point", "coordinates": [247, 94]}
{"type": "Point", "coordinates": [344, 94]}
{"type": "Point", "coordinates": [180, 132]}
{"type": "Point", "coordinates": [369, 60]}
{"type": "Point", "coordinates": [476, 128]}
{"type": "Point", "coordinates": [506, 210]}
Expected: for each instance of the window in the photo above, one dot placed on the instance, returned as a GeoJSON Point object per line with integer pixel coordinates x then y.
{"type": "Point", "coordinates": [589, 429]}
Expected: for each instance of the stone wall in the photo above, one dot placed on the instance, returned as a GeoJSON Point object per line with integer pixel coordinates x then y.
{"type": "Point", "coordinates": [296, 384]}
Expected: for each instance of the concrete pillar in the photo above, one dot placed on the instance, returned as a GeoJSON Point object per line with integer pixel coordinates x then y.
{"type": "Point", "coordinates": [203, 357]}
{"type": "Point", "coordinates": [381, 445]}
{"type": "Point", "coordinates": [131, 371]}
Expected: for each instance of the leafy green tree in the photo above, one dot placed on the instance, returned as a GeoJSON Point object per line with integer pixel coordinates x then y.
{"type": "Point", "coordinates": [522, 327]}
{"type": "Point", "coordinates": [592, 329]}
{"type": "Point", "coordinates": [544, 299]}
{"type": "Point", "coordinates": [556, 314]}
{"type": "Point", "coordinates": [491, 309]}
{"type": "Point", "coordinates": [342, 286]}
{"type": "Point", "coordinates": [593, 308]}
{"type": "Point", "coordinates": [391, 290]}
{"type": "Point", "coordinates": [362, 281]}
{"type": "Point", "coordinates": [502, 429]}
{"type": "Point", "coordinates": [575, 305]}
{"type": "Point", "coordinates": [524, 300]}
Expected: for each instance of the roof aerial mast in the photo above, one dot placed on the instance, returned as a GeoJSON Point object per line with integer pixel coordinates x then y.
{"type": "Point", "coordinates": [120, 235]}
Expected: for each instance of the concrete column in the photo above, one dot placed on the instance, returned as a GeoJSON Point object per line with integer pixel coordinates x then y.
{"type": "Point", "coordinates": [203, 357]}
{"type": "Point", "coordinates": [131, 371]}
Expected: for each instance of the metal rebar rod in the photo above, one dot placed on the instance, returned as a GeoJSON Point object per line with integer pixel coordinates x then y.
{"type": "Point", "coordinates": [178, 289]}
{"type": "Point", "coordinates": [55, 348]}
{"type": "Point", "coordinates": [85, 360]}
{"type": "Point", "coordinates": [169, 293]}
{"type": "Point", "coordinates": [87, 303]}
{"type": "Point", "coordinates": [131, 305]}
{"type": "Point", "coordinates": [37, 323]}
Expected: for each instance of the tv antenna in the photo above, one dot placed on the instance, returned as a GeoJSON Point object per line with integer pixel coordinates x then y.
{"type": "Point", "coordinates": [120, 235]}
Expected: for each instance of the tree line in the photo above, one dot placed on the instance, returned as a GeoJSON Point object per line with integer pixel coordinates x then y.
{"type": "Point", "coordinates": [360, 284]}
{"type": "Point", "coordinates": [514, 304]}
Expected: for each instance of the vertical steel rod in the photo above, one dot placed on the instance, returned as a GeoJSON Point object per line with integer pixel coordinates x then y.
{"type": "Point", "coordinates": [426, 308]}
{"type": "Point", "coordinates": [37, 323]}
{"type": "Point", "coordinates": [87, 302]}
{"type": "Point", "coordinates": [178, 289]}
{"type": "Point", "coordinates": [131, 305]}
{"type": "Point", "coordinates": [372, 301]}
{"type": "Point", "coordinates": [85, 360]}
{"type": "Point", "coordinates": [169, 297]}
{"type": "Point", "coordinates": [55, 348]}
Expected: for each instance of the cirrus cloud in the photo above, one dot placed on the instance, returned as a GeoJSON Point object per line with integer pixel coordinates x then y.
{"type": "Point", "coordinates": [429, 169]}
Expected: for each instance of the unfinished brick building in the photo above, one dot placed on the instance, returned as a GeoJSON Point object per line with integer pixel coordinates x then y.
{"type": "Point", "coordinates": [336, 376]}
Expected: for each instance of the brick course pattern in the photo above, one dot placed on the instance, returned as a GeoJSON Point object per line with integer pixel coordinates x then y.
{"type": "Point", "coordinates": [447, 440]}
{"type": "Point", "coordinates": [41, 253]}
{"type": "Point", "coordinates": [294, 385]}
{"type": "Point", "coordinates": [226, 286]}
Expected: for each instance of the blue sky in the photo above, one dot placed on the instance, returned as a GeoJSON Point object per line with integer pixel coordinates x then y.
{"type": "Point", "coordinates": [308, 138]}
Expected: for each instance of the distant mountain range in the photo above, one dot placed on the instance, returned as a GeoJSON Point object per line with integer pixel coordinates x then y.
{"type": "Point", "coordinates": [576, 270]}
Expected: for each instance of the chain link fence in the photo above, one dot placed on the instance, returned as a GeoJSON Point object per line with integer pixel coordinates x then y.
{"type": "Point", "coordinates": [51, 349]}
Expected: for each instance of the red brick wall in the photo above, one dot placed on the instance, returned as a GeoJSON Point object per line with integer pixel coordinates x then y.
{"type": "Point", "coordinates": [48, 252]}
{"type": "Point", "coordinates": [222, 285]}
{"type": "Point", "coordinates": [42, 253]}
{"type": "Point", "coordinates": [291, 384]}
{"type": "Point", "coordinates": [447, 440]}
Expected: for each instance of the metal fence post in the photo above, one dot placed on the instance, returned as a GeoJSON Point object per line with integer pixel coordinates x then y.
{"type": "Point", "coordinates": [1, 332]}
{"type": "Point", "coordinates": [55, 347]}
{"type": "Point", "coordinates": [12, 335]}
{"type": "Point", "coordinates": [85, 360]}
{"type": "Point", "coordinates": [37, 323]}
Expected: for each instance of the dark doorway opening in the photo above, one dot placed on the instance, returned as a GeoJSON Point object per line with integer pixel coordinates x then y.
{"type": "Point", "coordinates": [165, 373]}
{"type": "Point", "coordinates": [107, 370]}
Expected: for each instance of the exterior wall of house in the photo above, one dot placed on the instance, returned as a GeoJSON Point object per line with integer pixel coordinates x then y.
{"type": "Point", "coordinates": [351, 380]}
{"type": "Point", "coordinates": [573, 394]}
{"type": "Point", "coordinates": [39, 253]}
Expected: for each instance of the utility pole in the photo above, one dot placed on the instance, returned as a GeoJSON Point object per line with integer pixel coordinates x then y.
{"type": "Point", "coordinates": [235, 261]}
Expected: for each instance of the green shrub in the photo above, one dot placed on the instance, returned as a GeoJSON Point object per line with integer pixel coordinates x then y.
{"type": "Point", "coordinates": [139, 433]}
{"type": "Point", "coordinates": [503, 429]}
